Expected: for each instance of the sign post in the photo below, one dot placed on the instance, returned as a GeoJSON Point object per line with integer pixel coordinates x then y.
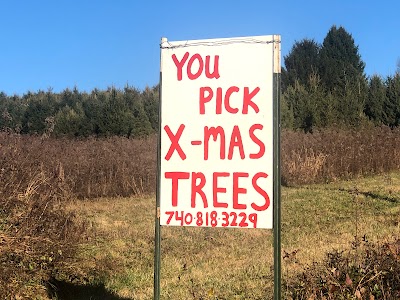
{"type": "Point", "coordinates": [277, 171]}
{"type": "Point", "coordinates": [218, 159]}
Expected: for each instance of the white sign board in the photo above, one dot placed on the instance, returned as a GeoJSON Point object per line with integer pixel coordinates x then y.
{"type": "Point", "coordinates": [217, 132]}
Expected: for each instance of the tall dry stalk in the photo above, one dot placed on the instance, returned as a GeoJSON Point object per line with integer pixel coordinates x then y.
{"type": "Point", "coordinates": [330, 154]}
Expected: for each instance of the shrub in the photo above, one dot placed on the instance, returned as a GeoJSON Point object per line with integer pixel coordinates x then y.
{"type": "Point", "coordinates": [36, 232]}
{"type": "Point", "coordinates": [368, 271]}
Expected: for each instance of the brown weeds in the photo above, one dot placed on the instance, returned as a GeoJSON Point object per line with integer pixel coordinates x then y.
{"type": "Point", "coordinates": [330, 154]}
{"type": "Point", "coordinates": [36, 233]}
{"type": "Point", "coordinates": [119, 166]}
{"type": "Point", "coordinates": [347, 275]}
{"type": "Point", "coordinates": [87, 168]}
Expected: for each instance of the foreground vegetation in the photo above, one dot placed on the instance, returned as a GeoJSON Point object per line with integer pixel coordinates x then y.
{"type": "Point", "coordinates": [330, 231]}
{"type": "Point", "coordinates": [65, 225]}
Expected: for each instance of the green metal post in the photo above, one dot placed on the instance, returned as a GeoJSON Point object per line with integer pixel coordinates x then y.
{"type": "Point", "coordinates": [157, 238]}
{"type": "Point", "coordinates": [277, 175]}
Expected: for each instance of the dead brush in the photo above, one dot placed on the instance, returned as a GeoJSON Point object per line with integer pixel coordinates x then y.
{"type": "Point", "coordinates": [118, 166]}
{"type": "Point", "coordinates": [38, 236]}
{"type": "Point", "coordinates": [36, 232]}
{"type": "Point", "coordinates": [89, 168]}
{"type": "Point", "coordinates": [348, 275]}
{"type": "Point", "coordinates": [331, 154]}
{"type": "Point", "coordinates": [304, 166]}
{"type": "Point", "coordinates": [38, 176]}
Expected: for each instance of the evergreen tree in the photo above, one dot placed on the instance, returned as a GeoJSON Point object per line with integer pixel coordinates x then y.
{"type": "Point", "coordinates": [287, 118]}
{"type": "Point", "coordinates": [71, 122]}
{"type": "Point", "coordinates": [322, 102]}
{"type": "Point", "coordinates": [340, 63]}
{"type": "Point", "coordinates": [350, 105]}
{"type": "Point", "coordinates": [298, 100]}
{"type": "Point", "coordinates": [151, 105]}
{"type": "Point", "coordinates": [391, 115]}
{"type": "Point", "coordinates": [342, 73]}
{"type": "Point", "coordinates": [39, 107]}
{"type": "Point", "coordinates": [311, 106]}
{"type": "Point", "coordinates": [375, 100]}
{"type": "Point", "coordinates": [301, 63]}
{"type": "Point", "coordinates": [117, 118]}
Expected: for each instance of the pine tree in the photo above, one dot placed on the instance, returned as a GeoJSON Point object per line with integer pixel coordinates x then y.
{"type": "Point", "coordinates": [391, 115]}
{"type": "Point", "coordinates": [287, 118]}
{"type": "Point", "coordinates": [375, 100]}
{"type": "Point", "coordinates": [301, 63]}
{"type": "Point", "coordinates": [340, 63]}
{"type": "Point", "coordinates": [342, 73]}
{"type": "Point", "coordinates": [151, 104]}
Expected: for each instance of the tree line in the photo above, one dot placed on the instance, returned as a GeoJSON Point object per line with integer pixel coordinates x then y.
{"type": "Point", "coordinates": [323, 85]}
{"type": "Point", "coordinates": [128, 112]}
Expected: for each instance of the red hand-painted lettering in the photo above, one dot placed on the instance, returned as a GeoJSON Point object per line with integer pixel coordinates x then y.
{"type": "Point", "coordinates": [256, 140]}
{"type": "Point", "coordinates": [236, 141]}
{"type": "Point", "coordinates": [175, 142]}
{"type": "Point", "coordinates": [175, 176]}
{"type": "Point", "coordinates": [214, 132]}
{"type": "Point", "coordinates": [261, 192]}
{"type": "Point", "coordinates": [238, 190]}
{"type": "Point", "coordinates": [196, 61]}
{"type": "Point", "coordinates": [197, 188]}
{"type": "Point", "coordinates": [247, 100]}
{"type": "Point", "coordinates": [217, 189]}
{"type": "Point", "coordinates": [223, 99]}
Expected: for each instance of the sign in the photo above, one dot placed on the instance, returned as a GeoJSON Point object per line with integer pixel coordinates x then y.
{"type": "Point", "coordinates": [217, 128]}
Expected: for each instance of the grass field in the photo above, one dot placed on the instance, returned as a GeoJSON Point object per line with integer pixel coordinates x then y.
{"type": "Point", "coordinates": [216, 263]}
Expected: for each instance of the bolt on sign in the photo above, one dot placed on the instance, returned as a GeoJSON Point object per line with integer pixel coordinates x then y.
{"type": "Point", "coordinates": [217, 129]}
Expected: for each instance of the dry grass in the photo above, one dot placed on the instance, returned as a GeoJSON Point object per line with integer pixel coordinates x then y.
{"type": "Point", "coordinates": [217, 263]}
{"type": "Point", "coordinates": [197, 263]}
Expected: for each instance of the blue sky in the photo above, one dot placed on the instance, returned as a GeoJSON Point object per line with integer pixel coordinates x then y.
{"type": "Point", "coordinates": [97, 44]}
